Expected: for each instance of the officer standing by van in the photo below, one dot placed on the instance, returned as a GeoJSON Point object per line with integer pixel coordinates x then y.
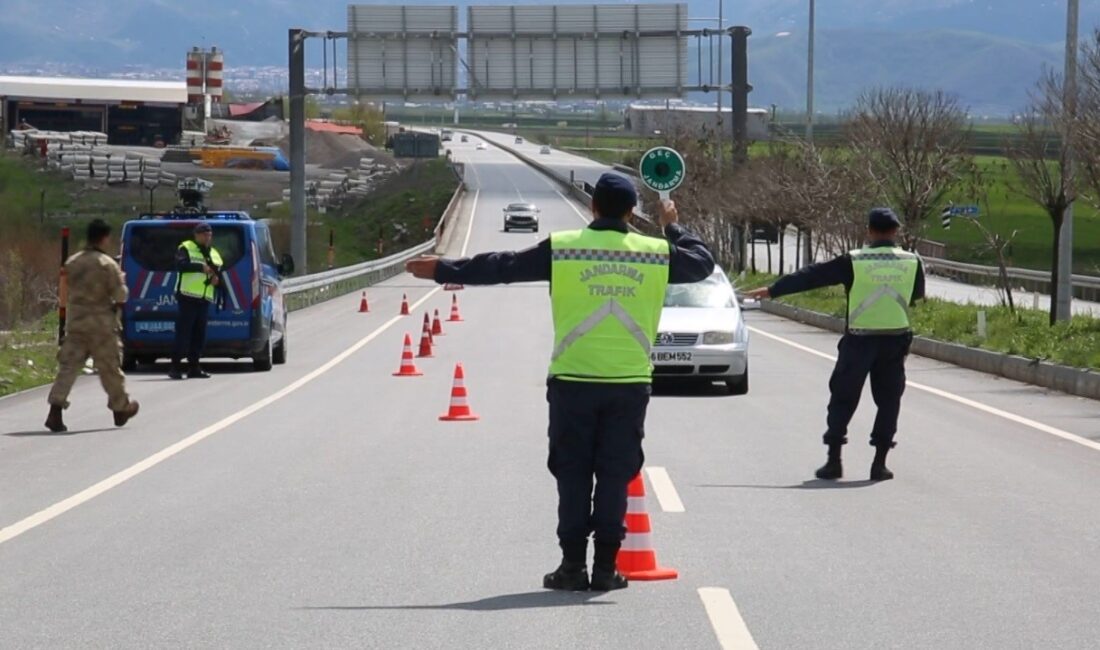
{"type": "Point", "coordinates": [607, 287]}
{"type": "Point", "coordinates": [199, 267]}
{"type": "Point", "coordinates": [97, 291]}
{"type": "Point", "coordinates": [882, 281]}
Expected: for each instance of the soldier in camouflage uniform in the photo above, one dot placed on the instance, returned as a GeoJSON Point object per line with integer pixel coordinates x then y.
{"type": "Point", "coordinates": [97, 291]}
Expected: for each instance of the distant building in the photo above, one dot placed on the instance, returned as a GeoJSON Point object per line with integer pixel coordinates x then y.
{"type": "Point", "coordinates": [129, 112]}
{"type": "Point", "coordinates": [699, 121]}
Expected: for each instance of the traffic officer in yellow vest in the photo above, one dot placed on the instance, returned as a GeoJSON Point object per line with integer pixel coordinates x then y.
{"type": "Point", "coordinates": [882, 282]}
{"type": "Point", "coordinates": [607, 287]}
{"type": "Point", "coordinates": [97, 290]}
{"type": "Point", "coordinates": [199, 267]}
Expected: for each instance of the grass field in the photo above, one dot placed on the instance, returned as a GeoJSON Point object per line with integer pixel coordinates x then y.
{"type": "Point", "coordinates": [1008, 212]}
{"type": "Point", "coordinates": [410, 202]}
{"type": "Point", "coordinates": [28, 357]}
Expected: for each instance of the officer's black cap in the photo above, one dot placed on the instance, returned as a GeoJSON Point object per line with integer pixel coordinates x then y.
{"type": "Point", "coordinates": [614, 196]}
{"type": "Point", "coordinates": [883, 220]}
{"type": "Point", "coordinates": [203, 227]}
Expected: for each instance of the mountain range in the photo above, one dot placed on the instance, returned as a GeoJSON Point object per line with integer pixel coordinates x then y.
{"type": "Point", "coordinates": [989, 51]}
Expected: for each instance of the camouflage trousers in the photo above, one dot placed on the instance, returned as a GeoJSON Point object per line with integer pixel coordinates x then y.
{"type": "Point", "coordinates": [105, 350]}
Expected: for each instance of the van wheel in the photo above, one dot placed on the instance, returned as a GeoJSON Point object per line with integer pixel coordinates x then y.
{"type": "Point", "coordinates": [262, 361]}
{"type": "Point", "coordinates": [278, 356]}
{"type": "Point", "coordinates": [129, 362]}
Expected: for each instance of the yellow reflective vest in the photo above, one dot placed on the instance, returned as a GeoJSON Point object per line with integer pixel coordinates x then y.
{"type": "Point", "coordinates": [882, 288]}
{"type": "Point", "coordinates": [195, 284]}
{"type": "Point", "coordinates": [606, 289]}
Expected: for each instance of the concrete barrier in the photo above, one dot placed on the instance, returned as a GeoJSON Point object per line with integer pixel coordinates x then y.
{"type": "Point", "coordinates": [1065, 379]}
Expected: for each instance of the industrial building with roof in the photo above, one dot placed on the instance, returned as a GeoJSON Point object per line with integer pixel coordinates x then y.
{"type": "Point", "coordinates": [697, 121]}
{"type": "Point", "coordinates": [146, 113]}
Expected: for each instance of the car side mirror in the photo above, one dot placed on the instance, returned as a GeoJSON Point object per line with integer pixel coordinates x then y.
{"type": "Point", "coordinates": [286, 267]}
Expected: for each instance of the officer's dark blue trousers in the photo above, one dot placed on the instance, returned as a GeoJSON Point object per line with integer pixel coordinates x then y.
{"type": "Point", "coordinates": [883, 359]}
{"type": "Point", "coordinates": [190, 330]}
{"type": "Point", "coordinates": [596, 433]}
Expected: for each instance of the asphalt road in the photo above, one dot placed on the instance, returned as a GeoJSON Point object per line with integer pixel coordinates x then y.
{"type": "Point", "coordinates": [323, 504]}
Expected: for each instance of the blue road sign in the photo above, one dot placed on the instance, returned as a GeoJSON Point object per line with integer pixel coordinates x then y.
{"type": "Point", "coordinates": [964, 210]}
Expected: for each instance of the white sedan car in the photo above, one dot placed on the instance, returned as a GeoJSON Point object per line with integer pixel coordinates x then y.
{"type": "Point", "coordinates": [481, 146]}
{"type": "Point", "coordinates": [702, 335]}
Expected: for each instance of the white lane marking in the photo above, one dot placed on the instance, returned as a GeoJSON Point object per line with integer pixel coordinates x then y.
{"type": "Point", "coordinates": [568, 202]}
{"type": "Point", "coordinates": [726, 619]}
{"type": "Point", "coordinates": [664, 489]}
{"type": "Point", "coordinates": [61, 507]}
{"type": "Point", "coordinates": [985, 408]}
{"type": "Point", "coordinates": [470, 226]}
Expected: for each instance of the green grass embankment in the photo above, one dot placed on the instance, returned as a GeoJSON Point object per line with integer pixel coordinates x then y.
{"type": "Point", "coordinates": [1025, 333]}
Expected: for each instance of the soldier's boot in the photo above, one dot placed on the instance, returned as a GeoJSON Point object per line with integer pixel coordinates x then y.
{"type": "Point", "coordinates": [832, 469]}
{"type": "Point", "coordinates": [605, 576]}
{"type": "Point", "coordinates": [570, 576]}
{"type": "Point", "coordinates": [879, 471]}
{"type": "Point", "coordinates": [54, 421]}
{"type": "Point", "coordinates": [123, 416]}
{"type": "Point", "coordinates": [175, 372]}
{"type": "Point", "coordinates": [196, 372]}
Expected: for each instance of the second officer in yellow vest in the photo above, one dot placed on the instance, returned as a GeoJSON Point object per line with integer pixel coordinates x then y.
{"type": "Point", "coordinates": [199, 266]}
{"type": "Point", "coordinates": [882, 281]}
{"type": "Point", "coordinates": [607, 287]}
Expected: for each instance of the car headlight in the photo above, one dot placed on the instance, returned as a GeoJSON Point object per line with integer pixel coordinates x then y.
{"type": "Point", "coordinates": [717, 338]}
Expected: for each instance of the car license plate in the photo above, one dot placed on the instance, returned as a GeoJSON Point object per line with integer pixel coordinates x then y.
{"type": "Point", "coordinates": [675, 357]}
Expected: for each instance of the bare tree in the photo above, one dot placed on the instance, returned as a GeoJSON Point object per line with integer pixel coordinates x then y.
{"type": "Point", "coordinates": [912, 144]}
{"type": "Point", "coordinates": [1043, 167]}
{"type": "Point", "coordinates": [1088, 121]}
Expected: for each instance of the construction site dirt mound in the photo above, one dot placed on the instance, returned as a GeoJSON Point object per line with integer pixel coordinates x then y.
{"type": "Point", "coordinates": [338, 150]}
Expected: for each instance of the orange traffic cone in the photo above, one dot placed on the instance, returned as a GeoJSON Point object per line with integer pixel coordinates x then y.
{"type": "Point", "coordinates": [637, 560]}
{"type": "Point", "coordinates": [363, 306]}
{"type": "Point", "coordinates": [460, 410]}
{"type": "Point", "coordinates": [437, 325]}
{"type": "Point", "coordinates": [425, 346]}
{"type": "Point", "coordinates": [404, 305]}
{"type": "Point", "coordinates": [428, 328]}
{"type": "Point", "coordinates": [455, 316]}
{"type": "Point", "coordinates": [408, 367]}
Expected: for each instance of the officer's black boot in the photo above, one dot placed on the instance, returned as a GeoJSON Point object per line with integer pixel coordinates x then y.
{"type": "Point", "coordinates": [54, 422]}
{"type": "Point", "coordinates": [175, 372]}
{"type": "Point", "coordinates": [196, 372]}
{"type": "Point", "coordinates": [879, 471]}
{"type": "Point", "coordinates": [605, 577]}
{"type": "Point", "coordinates": [572, 575]}
{"type": "Point", "coordinates": [832, 469]}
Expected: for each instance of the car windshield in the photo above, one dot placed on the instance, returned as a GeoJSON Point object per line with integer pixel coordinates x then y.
{"type": "Point", "coordinates": [520, 207]}
{"type": "Point", "coordinates": [714, 292]}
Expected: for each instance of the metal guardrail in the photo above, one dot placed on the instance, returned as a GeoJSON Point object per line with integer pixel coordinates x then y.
{"type": "Point", "coordinates": [308, 290]}
{"type": "Point", "coordinates": [1085, 287]}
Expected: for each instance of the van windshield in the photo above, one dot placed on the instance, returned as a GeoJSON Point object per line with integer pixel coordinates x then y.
{"type": "Point", "coordinates": [154, 246]}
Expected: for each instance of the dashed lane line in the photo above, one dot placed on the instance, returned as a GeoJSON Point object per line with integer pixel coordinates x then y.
{"type": "Point", "coordinates": [978, 406]}
{"type": "Point", "coordinates": [664, 489]}
{"type": "Point", "coordinates": [726, 619]}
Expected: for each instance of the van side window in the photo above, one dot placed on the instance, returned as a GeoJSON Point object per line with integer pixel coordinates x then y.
{"type": "Point", "coordinates": [263, 242]}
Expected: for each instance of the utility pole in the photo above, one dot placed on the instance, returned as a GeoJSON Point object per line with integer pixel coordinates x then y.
{"type": "Point", "coordinates": [721, 127]}
{"type": "Point", "coordinates": [808, 254]}
{"type": "Point", "coordinates": [298, 224]}
{"type": "Point", "coordinates": [1064, 291]}
{"type": "Point", "coordinates": [810, 76]}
